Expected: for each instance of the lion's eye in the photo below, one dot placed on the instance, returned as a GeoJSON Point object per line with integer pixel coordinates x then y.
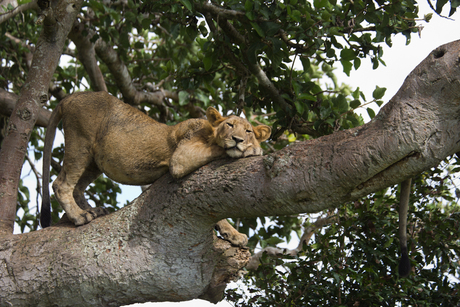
{"type": "Point", "coordinates": [248, 131]}
{"type": "Point", "coordinates": [230, 125]}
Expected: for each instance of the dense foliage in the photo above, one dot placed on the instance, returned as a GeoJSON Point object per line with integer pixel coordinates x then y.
{"type": "Point", "coordinates": [273, 61]}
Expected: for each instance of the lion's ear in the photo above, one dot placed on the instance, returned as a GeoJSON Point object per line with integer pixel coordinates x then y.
{"type": "Point", "coordinates": [262, 132]}
{"type": "Point", "coordinates": [213, 115]}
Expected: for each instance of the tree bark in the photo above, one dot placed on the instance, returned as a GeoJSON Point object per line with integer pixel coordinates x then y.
{"type": "Point", "coordinates": [161, 246]}
{"type": "Point", "coordinates": [57, 22]}
{"type": "Point", "coordinates": [87, 56]}
{"type": "Point", "coordinates": [8, 102]}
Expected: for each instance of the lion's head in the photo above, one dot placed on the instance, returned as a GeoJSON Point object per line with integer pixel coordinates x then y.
{"type": "Point", "coordinates": [236, 135]}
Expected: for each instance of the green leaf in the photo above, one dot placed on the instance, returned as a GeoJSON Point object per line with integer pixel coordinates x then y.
{"type": "Point", "coordinates": [299, 107]}
{"type": "Point", "coordinates": [341, 104]}
{"type": "Point", "coordinates": [439, 5]}
{"type": "Point", "coordinates": [355, 104]}
{"type": "Point", "coordinates": [346, 67]}
{"type": "Point", "coordinates": [307, 96]}
{"type": "Point", "coordinates": [320, 3]}
{"type": "Point", "coordinates": [357, 63]}
{"type": "Point", "coordinates": [270, 28]}
{"type": "Point", "coordinates": [295, 15]}
{"type": "Point", "coordinates": [183, 98]}
{"type": "Point", "coordinates": [187, 4]}
{"type": "Point", "coordinates": [146, 23]}
{"type": "Point", "coordinates": [258, 29]}
{"type": "Point", "coordinates": [347, 54]}
{"type": "Point", "coordinates": [248, 5]}
{"type": "Point", "coordinates": [379, 92]}
{"type": "Point", "coordinates": [207, 61]}
{"type": "Point", "coordinates": [371, 113]}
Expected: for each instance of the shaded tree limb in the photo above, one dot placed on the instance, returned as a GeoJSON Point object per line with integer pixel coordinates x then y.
{"type": "Point", "coordinates": [87, 56]}
{"type": "Point", "coordinates": [33, 95]}
{"type": "Point", "coordinates": [123, 80]}
{"type": "Point", "coordinates": [162, 247]}
{"type": "Point", "coordinates": [8, 102]}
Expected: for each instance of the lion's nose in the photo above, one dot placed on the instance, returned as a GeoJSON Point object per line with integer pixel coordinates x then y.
{"type": "Point", "coordinates": [237, 139]}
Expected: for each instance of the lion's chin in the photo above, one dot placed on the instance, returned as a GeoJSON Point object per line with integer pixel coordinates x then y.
{"type": "Point", "coordinates": [234, 152]}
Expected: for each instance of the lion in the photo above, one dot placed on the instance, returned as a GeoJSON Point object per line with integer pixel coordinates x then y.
{"type": "Point", "coordinates": [104, 135]}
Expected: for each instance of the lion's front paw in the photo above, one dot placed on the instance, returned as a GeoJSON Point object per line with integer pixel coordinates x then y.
{"type": "Point", "coordinates": [238, 239]}
{"type": "Point", "coordinates": [252, 151]}
{"type": "Point", "coordinates": [88, 215]}
{"type": "Point", "coordinates": [231, 234]}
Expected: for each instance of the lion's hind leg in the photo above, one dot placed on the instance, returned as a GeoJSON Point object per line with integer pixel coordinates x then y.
{"type": "Point", "coordinates": [91, 173]}
{"type": "Point", "coordinates": [76, 174]}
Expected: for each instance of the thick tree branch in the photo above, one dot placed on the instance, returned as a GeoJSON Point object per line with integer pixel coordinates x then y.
{"type": "Point", "coordinates": [162, 247]}
{"type": "Point", "coordinates": [141, 253]}
{"type": "Point", "coordinates": [34, 93]}
{"type": "Point", "coordinates": [8, 102]}
{"type": "Point", "coordinates": [416, 130]}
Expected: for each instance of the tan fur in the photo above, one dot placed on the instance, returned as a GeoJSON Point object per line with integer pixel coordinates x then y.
{"type": "Point", "coordinates": [105, 135]}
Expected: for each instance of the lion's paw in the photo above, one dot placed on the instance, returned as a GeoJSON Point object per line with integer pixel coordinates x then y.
{"type": "Point", "coordinates": [231, 234]}
{"type": "Point", "coordinates": [237, 239]}
{"type": "Point", "coordinates": [89, 214]}
{"type": "Point", "coordinates": [252, 151]}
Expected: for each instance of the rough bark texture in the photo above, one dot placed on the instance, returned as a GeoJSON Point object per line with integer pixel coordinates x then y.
{"type": "Point", "coordinates": [87, 56]}
{"type": "Point", "coordinates": [57, 22]}
{"type": "Point", "coordinates": [8, 102]}
{"type": "Point", "coordinates": [162, 247]}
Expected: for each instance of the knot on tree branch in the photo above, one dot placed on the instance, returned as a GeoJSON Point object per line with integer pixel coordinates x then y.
{"type": "Point", "coordinates": [48, 20]}
{"type": "Point", "coordinates": [230, 262]}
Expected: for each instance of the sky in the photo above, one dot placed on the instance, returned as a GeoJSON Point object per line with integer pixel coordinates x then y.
{"type": "Point", "coordinates": [400, 61]}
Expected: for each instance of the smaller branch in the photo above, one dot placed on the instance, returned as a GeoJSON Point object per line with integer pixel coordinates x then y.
{"type": "Point", "coordinates": [123, 79]}
{"type": "Point", "coordinates": [17, 10]}
{"type": "Point", "coordinates": [279, 252]}
{"type": "Point", "coordinates": [56, 91]}
{"type": "Point", "coordinates": [306, 128]}
{"type": "Point", "coordinates": [46, 17]}
{"type": "Point", "coordinates": [38, 176]}
{"type": "Point", "coordinates": [87, 56]}
{"type": "Point", "coordinates": [299, 47]}
{"type": "Point", "coordinates": [219, 11]}
{"type": "Point", "coordinates": [255, 68]}
{"type": "Point", "coordinates": [27, 55]}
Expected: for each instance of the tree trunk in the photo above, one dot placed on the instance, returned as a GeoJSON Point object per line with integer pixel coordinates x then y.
{"type": "Point", "coordinates": [57, 22]}
{"type": "Point", "coordinates": [161, 247]}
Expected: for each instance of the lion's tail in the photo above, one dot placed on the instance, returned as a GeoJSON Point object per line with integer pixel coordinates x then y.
{"type": "Point", "coordinates": [45, 216]}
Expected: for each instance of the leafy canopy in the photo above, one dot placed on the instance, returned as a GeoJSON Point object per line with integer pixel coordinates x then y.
{"type": "Point", "coordinates": [273, 61]}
